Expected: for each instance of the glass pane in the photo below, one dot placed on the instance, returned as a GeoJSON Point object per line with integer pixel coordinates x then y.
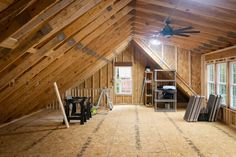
{"type": "Point", "coordinates": [211, 88]}
{"type": "Point", "coordinates": [123, 80]}
{"type": "Point", "coordinates": [233, 101]}
{"type": "Point", "coordinates": [222, 92]}
{"type": "Point", "coordinates": [221, 69]}
{"type": "Point", "coordinates": [233, 85]}
{"type": "Point", "coordinates": [233, 72]}
{"type": "Point", "coordinates": [210, 72]}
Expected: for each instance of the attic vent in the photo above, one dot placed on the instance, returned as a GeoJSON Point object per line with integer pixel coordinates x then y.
{"type": "Point", "coordinates": [109, 8]}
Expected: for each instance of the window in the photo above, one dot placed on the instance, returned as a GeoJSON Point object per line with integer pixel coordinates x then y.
{"type": "Point", "coordinates": [210, 79]}
{"type": "Point", "coordinates": [233, 85]}
{"type": "Point", "coordinates": [123, 80]}
{"type": "Point", "coordinates": [221, 81]}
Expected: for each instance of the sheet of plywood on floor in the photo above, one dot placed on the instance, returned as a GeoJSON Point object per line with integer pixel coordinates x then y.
{"type": "Point", "coordinates": [183, 64]}
{"type": "Point", "coordinates": [196, 72]}
{"type": "Point", "coordinates": [169, 54]}
{"type": "Point", "coordinates": [127, 130]}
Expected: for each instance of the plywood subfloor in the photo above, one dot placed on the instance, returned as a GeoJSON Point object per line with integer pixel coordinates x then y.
{"type": "Point", "coordinates": [127, 131]}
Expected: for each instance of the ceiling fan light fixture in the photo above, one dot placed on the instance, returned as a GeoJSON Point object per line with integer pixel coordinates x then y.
{"type": "Point", "coordinates": [155, 41]}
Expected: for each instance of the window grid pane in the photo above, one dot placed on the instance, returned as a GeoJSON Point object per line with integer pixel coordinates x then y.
{"type": "Point", "coordinates": [233, 97]}
{"type": "Point", "coordinates": [210, 79]}
{"type": "Point", "coordinates": [221, 81]}
{"type": "Point", "coordinates": [233, 85]}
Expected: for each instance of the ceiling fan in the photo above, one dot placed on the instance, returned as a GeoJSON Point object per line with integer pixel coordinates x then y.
{"type": "Point", "coordinates": [169, 31]}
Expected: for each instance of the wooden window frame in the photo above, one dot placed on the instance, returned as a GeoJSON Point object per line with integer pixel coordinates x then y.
{"type": "Point", "coordinates": [131, 75]}
{"type": "Point", "coordinates": [210, 82]}
{"type": "Point", "coordinates": [231, 84]}
{"type": "Point", "coordinates": [218, 83]}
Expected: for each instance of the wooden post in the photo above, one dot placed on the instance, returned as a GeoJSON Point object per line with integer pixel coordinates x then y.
{"type": "Point", "coordinates": [61, 104]}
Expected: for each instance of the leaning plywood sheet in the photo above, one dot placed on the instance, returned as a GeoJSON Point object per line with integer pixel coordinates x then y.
{"type": "Point", "coordinates": [212, 111]}
{"type": "Point", "coordinates": [199, 106]}
{"type": "Point", "coordinates": [191, 118]}
{"type": "Point", "coordinates": [189, 107]}
{"type": "Point", "coordinates": [216, 108]}
{"type": "Point", "coordinates": [210, 104]}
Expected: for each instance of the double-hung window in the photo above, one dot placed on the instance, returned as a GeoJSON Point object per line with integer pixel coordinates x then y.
{"type": "Point", "coordinates": [233, 85]}
{"type": "Point", "coordinates": [210, 79]}
{"type": "Point", "coordinates": [221, 81]}
{"type": "Point", "coordinates": [123, 80]}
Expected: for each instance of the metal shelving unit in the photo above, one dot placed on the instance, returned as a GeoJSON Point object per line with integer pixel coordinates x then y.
{"type": "Point", "coordinates": [165, 78]}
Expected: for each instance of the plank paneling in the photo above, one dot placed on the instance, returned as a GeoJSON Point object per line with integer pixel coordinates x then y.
{"type": "Point", "coordinates": [169, 55]}
{"type": "Point", "coordinates": [139, 61]}
{"type": "Point", "coordinates": [183, 64]}
{"type": "Point", "coordinates": [196, 72]}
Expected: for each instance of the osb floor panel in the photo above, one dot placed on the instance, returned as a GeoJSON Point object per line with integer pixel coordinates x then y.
{"type": "Point", "coordinates": [127, 131]}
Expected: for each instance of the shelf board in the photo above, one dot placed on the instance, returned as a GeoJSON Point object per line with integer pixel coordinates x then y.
{"type": "Point", "coordinates": [164, 90]}
{"type": "Point", "coordinates": [149, 81]}
{"type": "Point", "coordinates": [165, 70]}
{"type": "Point", "coordinates": [165, 100]}
{"type": "Point", "coordinates": [164, 110]}
{"type": "Point", "coordinates": [165, 80]}
{"type": "Point", "coordinates": [149, 95]}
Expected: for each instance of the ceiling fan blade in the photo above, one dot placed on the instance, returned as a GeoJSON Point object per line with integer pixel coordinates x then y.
{"type": "Point", "coordinates": [190, 32]}
{"type": "Point", "coordinates": [167, 20]}
{"type": "Point", "coordinates": [183, 29]}
{"type": "Point", "coordinates": [183, 35]}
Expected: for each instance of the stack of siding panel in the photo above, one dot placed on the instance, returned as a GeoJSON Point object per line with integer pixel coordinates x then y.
{"type": "Point", "coordinates": [196, 112]}
{"type": "Point", "coordinates": [214, 107]}
{"type": "Point", "coordinates": [195, 104]}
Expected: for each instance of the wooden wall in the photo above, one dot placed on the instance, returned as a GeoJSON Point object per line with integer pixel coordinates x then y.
{"type": "Point", "coordinates": [104, 77]}
{"type": "Point", "coordinates": [186, 63]}
{"type": "Point", "coordinates": [180, 59]}
{"type": "Point", "coordinates": [226, 55]}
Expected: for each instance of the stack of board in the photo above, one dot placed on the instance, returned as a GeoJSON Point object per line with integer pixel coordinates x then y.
{"type": "Point", "coordinates": [193, 109]}
{"type": "Point", "coordinates": [211, 111]}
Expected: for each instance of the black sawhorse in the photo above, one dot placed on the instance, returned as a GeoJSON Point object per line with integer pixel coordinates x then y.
{"type": "Point", "coordinates": [71, 108]}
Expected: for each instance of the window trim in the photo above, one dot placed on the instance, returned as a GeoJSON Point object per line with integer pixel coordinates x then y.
{"type": "Point", "coordinates": [231, 84]}
{"type": "Point", "coordinates": [209, 81]}
{"type": "Point", "coordinates": [218, 83]}
{"type": "Point", "coordinates": [228, 62]}
{"type": "Point", "coordinates": [131, 78]}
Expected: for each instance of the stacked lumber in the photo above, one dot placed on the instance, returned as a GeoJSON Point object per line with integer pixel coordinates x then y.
{"type": "Point", "coordinates": [212, 109]}
{"type": "Point", "coordinates": [194, 107]}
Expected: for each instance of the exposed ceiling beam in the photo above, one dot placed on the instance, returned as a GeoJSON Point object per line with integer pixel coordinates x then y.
{"type": "Point", "coordinates": [10, 27]}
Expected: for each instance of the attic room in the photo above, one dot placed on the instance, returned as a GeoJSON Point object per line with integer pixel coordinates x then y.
{"type": "Point", "coordinates": [117, 78]}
